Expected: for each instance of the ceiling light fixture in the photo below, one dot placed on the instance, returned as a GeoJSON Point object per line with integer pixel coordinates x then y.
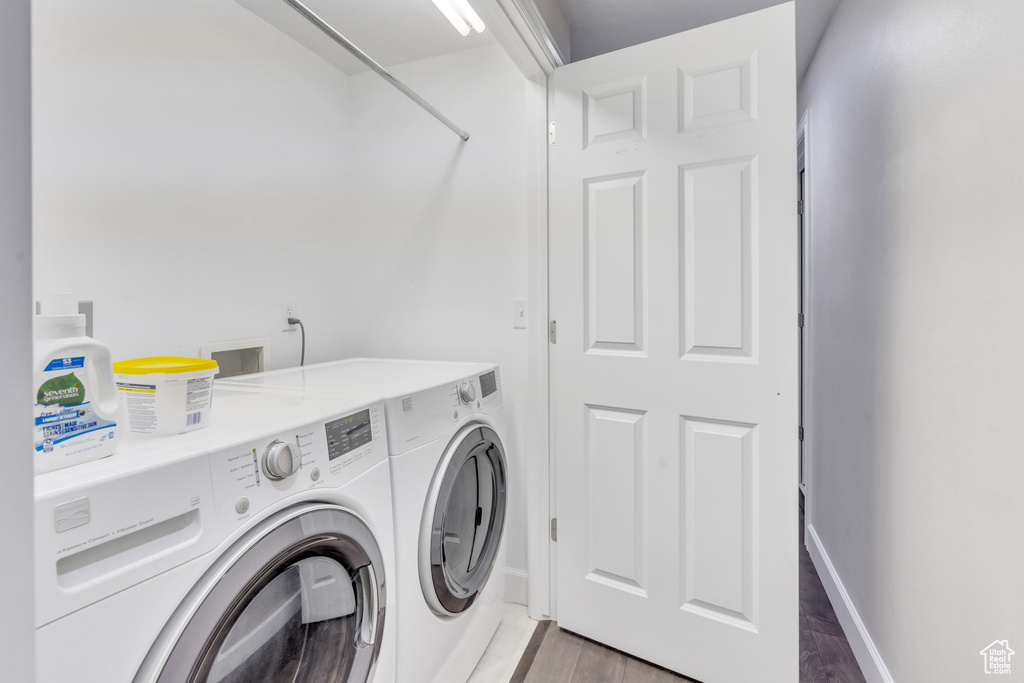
{"type": "Point", "coordinates": [461, 15]}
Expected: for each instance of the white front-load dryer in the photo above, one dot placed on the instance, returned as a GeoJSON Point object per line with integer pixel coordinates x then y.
{"type": "Point", "coordinates": [450, 488]}
{"type": "Point", "coordinates": [258, 549]}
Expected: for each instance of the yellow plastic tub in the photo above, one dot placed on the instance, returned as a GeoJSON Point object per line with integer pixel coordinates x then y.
{"type": "Point", "coordinates": [166, 394]}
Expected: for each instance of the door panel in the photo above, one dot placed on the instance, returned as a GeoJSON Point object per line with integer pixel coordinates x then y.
{"type": "Point", "coordinates": [674, 376]}
{"type": "Point", "coordinates": [717, 521]}
{"type": "Point", "coordinates": [717, 234]}
{"type": "Point", "coordinates": [614, 113]}
{"type": "Point", "coordinates": [615, 520]}
{"type": "Point", "coordinates": [614, 252]}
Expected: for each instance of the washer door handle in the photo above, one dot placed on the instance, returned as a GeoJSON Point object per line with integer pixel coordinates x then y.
{"type": "Point", "coordinates": [368, 619]}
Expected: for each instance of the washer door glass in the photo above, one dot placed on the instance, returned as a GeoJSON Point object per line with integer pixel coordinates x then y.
{"type": "Point", "coordinates": [468, 519]}
{"type": "Point", "coordinates": [293, 626]}
{"type": "Point", "coordinates": [299, 599]}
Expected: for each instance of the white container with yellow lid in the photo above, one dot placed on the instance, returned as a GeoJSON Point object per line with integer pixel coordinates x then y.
{"type": "Point", "coordinates": [166, 394]}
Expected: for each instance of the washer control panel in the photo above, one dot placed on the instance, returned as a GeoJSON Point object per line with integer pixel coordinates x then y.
{"type": "Point", "coordinates": [323, 454]}
{"type": "Point", "coordinates": [467, 392]}
{"type": "Point", "coordinates": [281, 460]}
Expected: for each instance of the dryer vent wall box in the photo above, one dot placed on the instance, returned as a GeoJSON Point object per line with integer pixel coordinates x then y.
{"type": "Point", "coordinates": [238, 357]}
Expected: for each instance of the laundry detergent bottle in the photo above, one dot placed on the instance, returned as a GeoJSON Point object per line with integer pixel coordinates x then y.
{"type": "Point", "coordinates": [78, 415]}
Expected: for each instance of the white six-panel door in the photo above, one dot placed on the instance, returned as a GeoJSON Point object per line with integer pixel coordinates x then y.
{"type": "Point", "coordinates": [674, 375]}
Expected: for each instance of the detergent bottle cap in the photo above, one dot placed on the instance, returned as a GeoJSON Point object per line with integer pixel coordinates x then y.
{"type": "Point", "coordinates": [59, 317]}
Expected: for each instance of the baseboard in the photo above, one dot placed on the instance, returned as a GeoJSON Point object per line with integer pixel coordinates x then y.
{"type": "Point", "coordinates": [868, 657]}
{"type": "Point", "coordinates": [516, 586]}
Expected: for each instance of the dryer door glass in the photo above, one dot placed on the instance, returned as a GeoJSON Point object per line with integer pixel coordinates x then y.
{"type": "Point", "coordinates": [466, 527]}
{"type": "Point", "coordinates": [468, 518]}
{"type": "Point", "coordinates": [299, 599]}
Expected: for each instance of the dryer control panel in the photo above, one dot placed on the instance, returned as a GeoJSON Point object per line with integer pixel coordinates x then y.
{"type": "Point", "coordinates": [421, 417]}
{"type": "Point", "coordinates": [323, 454]}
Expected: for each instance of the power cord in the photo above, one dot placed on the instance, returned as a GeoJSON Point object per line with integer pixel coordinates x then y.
{"type": "Point", "coordinates": [302, 328]}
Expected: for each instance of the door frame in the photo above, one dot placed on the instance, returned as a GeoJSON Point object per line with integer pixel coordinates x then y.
{"type": "Point", "coordinates": [540, 466]}
{"type": "Point", "coordinates": [16, 502]}
{"type": "Point", "coordinates": [803, 141]}
{"type": "Point", "coordinates": [521, 42]}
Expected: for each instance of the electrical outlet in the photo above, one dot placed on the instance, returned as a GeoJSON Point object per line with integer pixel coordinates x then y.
{"type": "Point", "coordinates": [288, 311]}
{"type": "Point", "coordinates": [519, 314]}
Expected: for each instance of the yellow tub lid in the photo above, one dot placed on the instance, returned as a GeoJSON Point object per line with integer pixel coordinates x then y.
{"type": "Point", "coordinates": [163, 365]}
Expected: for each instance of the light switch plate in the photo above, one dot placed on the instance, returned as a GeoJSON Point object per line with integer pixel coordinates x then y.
{"type": "Point", "coordinates": [519, 314]}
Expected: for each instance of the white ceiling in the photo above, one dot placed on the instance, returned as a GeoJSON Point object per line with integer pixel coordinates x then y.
{"type": "Point", "coordinates": [599, 26]}
{"type": "Point", "coordinates": [399, 31]}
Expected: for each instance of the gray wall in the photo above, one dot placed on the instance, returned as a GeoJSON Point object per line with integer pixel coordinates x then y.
{"type": "Point", "coordinates": [917, 320]}
{"type": "Point", "coordinates": [17, 635]}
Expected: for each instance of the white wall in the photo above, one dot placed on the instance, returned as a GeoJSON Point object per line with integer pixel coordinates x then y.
{"type": "Point", "coordinates": [917, 318]}
{"type": "Point", "coordinates": [437, 232]}
{"type": "Point", "coordinates": [17, 633]}
{"type": "Point", "coordinates": [194, 168]}
{"type": "Point", "coordinates": [189, 175]}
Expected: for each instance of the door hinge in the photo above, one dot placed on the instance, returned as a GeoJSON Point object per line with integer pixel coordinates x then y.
{"type": "Point", "coordinates": [554, 529]}
{"type": "Point", "coordinates": [552, 332]}
{"type": "Point", "coordinates": [800, 321]}
{"type": "Point", "coordinates": [801, 432]}
{"type": "Point", "coordinates": [800, 206]}
{"type": "Point", "coordinates": [551, 133]}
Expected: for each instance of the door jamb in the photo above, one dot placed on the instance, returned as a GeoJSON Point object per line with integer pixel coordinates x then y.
{"type": "Point", "coordinates": [804, 163]}
{"type": "Point", "coordinates": [17, 650]}
{"type": "Point", "coordinates": [539, 462]}
{"type": "Point", "coordinates": [511, 29]}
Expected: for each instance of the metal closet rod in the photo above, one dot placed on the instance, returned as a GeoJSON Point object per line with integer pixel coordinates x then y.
{"type": "Point", "coordinates": [312, 17]}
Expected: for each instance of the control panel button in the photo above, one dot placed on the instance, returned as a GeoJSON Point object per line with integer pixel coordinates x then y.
{"type": "Point", "coordinates": [315, 474]}
{"type": "Point", "coordinates": [242, 505]}
{"type": "Point", "coordinates": [467, 392]}
{"type": "Point", "coordinates": [281, 460]}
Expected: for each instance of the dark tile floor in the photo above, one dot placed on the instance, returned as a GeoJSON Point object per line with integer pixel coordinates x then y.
{"type": "Point", "coordinates": [825, 654]}
{"type": "Point", "coordinates": [558, 656]}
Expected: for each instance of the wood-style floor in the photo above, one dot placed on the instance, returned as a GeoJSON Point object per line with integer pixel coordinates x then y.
{"type": "Point", "coordinates": [555, 655]}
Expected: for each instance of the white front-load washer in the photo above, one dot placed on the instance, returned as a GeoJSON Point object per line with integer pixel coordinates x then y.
{"type": "Point", "coordinates": [450, 494]}
{"type": "Point", "coordinates": [258, 549]}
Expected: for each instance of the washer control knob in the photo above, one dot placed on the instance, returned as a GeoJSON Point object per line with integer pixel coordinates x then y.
{"type": "Point", "coordinates": [467, 392]}
{"type": "Point", "coordinates": [281, 460]}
